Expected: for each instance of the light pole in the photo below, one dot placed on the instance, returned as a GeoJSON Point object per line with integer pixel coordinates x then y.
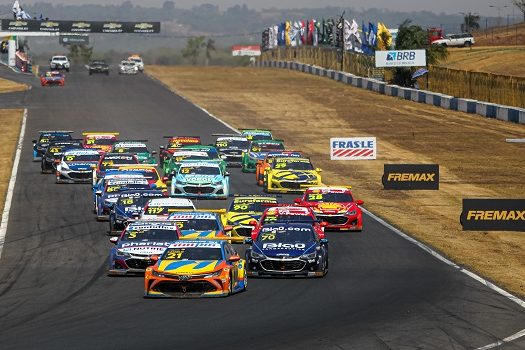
{"type": "Point", "coordinates": [499, 8]}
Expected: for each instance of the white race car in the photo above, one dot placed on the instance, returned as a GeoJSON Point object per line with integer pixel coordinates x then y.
{"type": "Point", "coordinates": [127, 67]}
{"type": "Point", "coordinates": [161, 208]}
{"type": "Point", "coordinates": [77, 166]}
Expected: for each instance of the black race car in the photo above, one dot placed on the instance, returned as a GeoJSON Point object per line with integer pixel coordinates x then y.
{"type": "Point", "coordinates": [45, 137]}
{"type": "Point", "coordinates": [98, 66]}
{"type": "Point", "coordinates": [287, 250]}
{"type": "Point", "coordinates": [231, 147]}
{"type": "Point", "coordinates": [54, 153]}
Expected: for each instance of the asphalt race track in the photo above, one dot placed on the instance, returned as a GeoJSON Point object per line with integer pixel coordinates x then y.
{"type": "Point", "coordinates": [382, 292]}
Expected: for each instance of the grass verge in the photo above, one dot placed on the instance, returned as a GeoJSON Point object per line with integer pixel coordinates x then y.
{"type": "Point", "coordinates": [475, 160]}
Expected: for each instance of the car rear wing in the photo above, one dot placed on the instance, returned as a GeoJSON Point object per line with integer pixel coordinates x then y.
{"type": "Point", "coordinates": [131, 141]}
{"type": "Point", "coordinates": [57, 131]}
{"type": "Point", "coordinates": [230, 239]}
{"type": "Point", "coordinates": [170, 137]}
{"type": "Point", "coordinates": [215, 211]}
{"type": "Point", "coordinates": [256, 195]}
{"type": "Point", "coordinates": [227, 135]}
{"type": "Point", "coordinates": [100, 133]}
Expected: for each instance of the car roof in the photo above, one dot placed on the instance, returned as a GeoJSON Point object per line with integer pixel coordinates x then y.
{"type": "Point", "coordinates": [285, 210]}
{"type": "Point", "coordinates": [129, 181]}
{"type": "Point", "coordinates": [259, 198]}
{"type": "Point", "coordinates": [334, 189]}
{"type": "Point", "coordinates": [201, 164]}
{"type": "Point", "coordinates": [167, 225]}
{"type": "Point", "coordinates": [82, 152]}
{"type": "Point", "coordinates": [169, 201]}
{"type": "Point", "coordinates": [129, 144]}
{"type": "Point", "coordinates": [232, 138]}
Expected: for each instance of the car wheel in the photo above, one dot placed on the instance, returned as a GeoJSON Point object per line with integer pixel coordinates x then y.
{"type": "Point", "coordinates": [468, 44]}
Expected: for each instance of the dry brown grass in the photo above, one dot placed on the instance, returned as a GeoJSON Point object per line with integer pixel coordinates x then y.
{"type": "Point", "coordinates": [11, 86]}
{"type": "Point", "coordinates": [306, 111]}
{"type": "Point", "coordinates": [498, 60]}
{"type": "Point", "coordinates": [511, 35]}
{"type": "Point", "coordinates": [11, 121]}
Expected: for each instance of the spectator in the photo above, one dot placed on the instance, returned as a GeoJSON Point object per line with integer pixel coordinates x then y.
{"type": "Point", "coordinates": [16, 9]}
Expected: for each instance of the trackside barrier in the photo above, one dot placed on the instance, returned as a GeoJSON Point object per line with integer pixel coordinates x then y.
{"type": "Point", "coordinates": [486, 109]}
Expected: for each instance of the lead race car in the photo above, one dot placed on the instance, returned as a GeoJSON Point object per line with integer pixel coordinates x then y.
{"type": "Point", "coordinates": [256, 134]}
{"type": "Point", "coordinates": [45, 137]}
{"type": "Point", "coordinates": [287, 250]}
{"type": "Point", "coordinates": [139, 245]}
{"type": "Point", "coordinates": [196, 269]}
{"type": "Point", "coordinates": [76, 166]}
{"type": "Point", "coordinates": [53, 78]}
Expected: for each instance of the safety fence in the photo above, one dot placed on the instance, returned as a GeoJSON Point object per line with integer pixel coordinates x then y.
{"type": "Point", "coordinates": [493, 88]}
{"type": "Point", "coordinates": [486, 109]}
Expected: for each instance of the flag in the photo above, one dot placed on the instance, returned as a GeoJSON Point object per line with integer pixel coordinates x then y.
{"type": "Point", "coordinates": [287, 38]}
{"type": "Point", "coordinates": [372, 36]}
{"type": "Point", "coordinates": [384, 37]}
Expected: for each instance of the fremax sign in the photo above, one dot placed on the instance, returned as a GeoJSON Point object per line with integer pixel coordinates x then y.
{"type": "Point", "coordinates": [401, 58]}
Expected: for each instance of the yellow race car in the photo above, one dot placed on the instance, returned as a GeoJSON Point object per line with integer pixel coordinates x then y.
{"type": "Point", "coordinates": [243, 210]}
{"type": "Point", "coordinates": [150, 172]}
{"type": "Point", "coordinates": [287, 175]}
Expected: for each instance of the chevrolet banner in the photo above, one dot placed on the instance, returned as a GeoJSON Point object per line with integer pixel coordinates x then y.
{"type": "Point", "coordinates": [493, 215]}
{"type": "Point", "coordinates": [84, 27]}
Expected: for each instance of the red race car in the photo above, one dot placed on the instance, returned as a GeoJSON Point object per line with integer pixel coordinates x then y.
{"type": "Point", "coordinates": [288, 213]}
{"type": "Point", "coordinates": [334, 205]}
{"type": "Point", "coordinates": [100, 140]}
{"type": "Point", "coordinates": [52, 78]}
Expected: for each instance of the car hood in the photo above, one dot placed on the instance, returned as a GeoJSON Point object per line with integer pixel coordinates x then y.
{"type": "Point", "coordinates": [202, 179]}
{"type": "Point", "coordinates": [188, 267]}
{"type": "Point", "coordinates": [242, 218]}
{"type": "Point", "coordinates": [284, 250]}
{"type": "Point", "coordinates": [295, 175]}
{"type": "Point", "coordinates": [333, 208]}
{"type": "Point", "coordinates": [193, 234]}
{"type": "Point", "coordinates": [145, 248]}
{"type": "Point", "coordinates": [129, 211]}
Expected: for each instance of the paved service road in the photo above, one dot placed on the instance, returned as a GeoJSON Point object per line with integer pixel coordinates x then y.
{"type": "Point", "coordinates": [382, 292]}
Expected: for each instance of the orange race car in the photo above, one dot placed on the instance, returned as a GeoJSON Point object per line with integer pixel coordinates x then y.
{"type": "Point", "coordinates": [265, 163]}
{"type": "Point", "coordinates": [103, 141]}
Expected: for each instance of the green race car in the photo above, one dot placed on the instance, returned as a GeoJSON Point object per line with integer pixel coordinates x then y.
{"type": "Point", "coordinates": [257, 151]}
{"type": "Point", "coordinates": [138, 148]}
{"type": "Point", "coordinates": [256, 134]}
{"type": "Point", "coordinates": [173, 163]}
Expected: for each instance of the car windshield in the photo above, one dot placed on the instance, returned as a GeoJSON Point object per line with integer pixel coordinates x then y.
{"type": "Point", "coordinates": [182, 157]}
{"type": "Point", "coordinates": [287, 218]}
{"type": "Point", "coordinates": [192, 254]}
{"type": "Point", "coordinates": [282, 164]}
{"type": "Point", "coordinates": [110, 162]}
{"type": "Point", "coordinates": [132, 149]}
{"type": "Point", "coordinates": [128, 64]}
{"type": "Point", "coordinates": [149, 174]}
{"type": "Point", "coordinates": [102, 141]}
{"type": "Point", "coordinates": [137, 60]}
{"type": "Point", "coordinates": [232, 144]}
{"type": "Point", "coordinates": [81, 158]}
{"type": "Point", "coordinates": [246, 207]}
{"type": "Point", "coordinates": [147, 235]}
{"type": "Point", "coordinates": [111, 189]}
{"type": "Point", "coordinates": [166, 210]}
{"type": "Point", "coordinates": [198, 224]}
{"type": "Point", "coordinates": [261, 147]}
{"type": "Point", "coordinates": [199, 170]}
{"type": "Point", "coordinates": [138, 199]}
{"type": "Point", "coordinates": [54, 137]}
{"type": "Point", "coordinates": [59, 58]}
{"type": "Point", "coordinates": [329, 197]}
{"type": "Point", "coordinates": [282, 234]}
{"type": "Point", "coordinates": [98, 62]}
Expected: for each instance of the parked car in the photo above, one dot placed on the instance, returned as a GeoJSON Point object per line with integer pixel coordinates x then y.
{"type": "Point", "coordinates": [456, 40]}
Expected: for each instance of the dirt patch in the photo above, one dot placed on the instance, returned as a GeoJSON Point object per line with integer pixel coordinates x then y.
{"type": "Point", "coordinates": [306, 111]}
{"type": "Point", "coordinates": [10, 130]}
{"type": "Point", "coordinates": [11, 86]}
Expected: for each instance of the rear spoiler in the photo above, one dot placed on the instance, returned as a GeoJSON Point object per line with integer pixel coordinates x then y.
{"type": "Point", "coordinates": [255, 195]}
{"type": "Point", "coordinates": [100, 133]}
{"type": "Point", "coordinates": [169, 137]}
{"type": "Point", "coordinates": [64, 131]}
{"type": "Point", "coordinates": [216, 211]}
{"type": "Point", "coordinates": [230, 239]}
{"type": "Point", "coordinates": [226, 135]}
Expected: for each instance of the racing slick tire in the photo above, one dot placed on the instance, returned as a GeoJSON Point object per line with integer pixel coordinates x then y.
{"type": "Point", "coordinates": [230, 285]}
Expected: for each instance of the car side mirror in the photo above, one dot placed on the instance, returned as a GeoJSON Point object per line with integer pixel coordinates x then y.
{"type": "Point", "coordinates": [253, 223]}
{"type": "Point", "coordinates": [234, 258]}
{"type": "Point", "coordinates": [153, 152]}
{"type": "Point", "coordinates": [248, 240]}
{"type": "Point", "coordinates": [297, 200]}
{"type": "Point", "coordinates": [226, 174]}
{"type": "Point", "coordinates": [99, 193]}
{"type": "Point", "coordinates": [34, 141]}
{"type": "Point", "coordinates": [114, 240]}
{"type": "Point", "coordinates": [228, 228]}
{"type": "Point", "coordinates": [323, 241]}
{"type": "Point", "coordinates": [360, 202]}
{"type": "Point", "coordinates": [319, 170]}
{"type": "Point", "coordinates": [155, 257]}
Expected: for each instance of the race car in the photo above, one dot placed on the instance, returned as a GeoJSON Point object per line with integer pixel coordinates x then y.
{"type": "Point", "coordinates": [286, 175]}
{"type": "Point", "coordinates": [128, 208]}
{"type": "Point", "coordinates": [111, 192]}
{"type": "Point", "coordinates": [150, 172]}
{"type": "Point", "coordinates": [176, 142]}
{"type": "Point", "coordinates": [138, 148]}
{"type": "Point", "coordinates": [172, 163]}
{"type": "Point", "coordinates": [334, 205]}
{"type": "Point", "coordinates": [287, 250]}
{"type": "Point", "coordinates": [111, 174]}
{"type": "Point", "coordinates": [127, 67]}
{"type": "Point", "coordinates": [112, 161]}
{"type": "Point", "coordinates": [202, 224]}
{"type": "Point", "coordinates": [201, 180]}
{"type": "Point", "coordinates": [139, 245]}
{"type": "Point", "coordinates": [53, 78]}
{"type": "Point", "coordinates": [100, 140]}
{"type": "Point", "coordinates": [137, 60]}
{"type": "Point", "coordinates": [231, 148]}
{"type": "Point", "coordinates": [257, 151]}
{"type": "Point", "coordinates": [244, 209]}
{"type": "Point", "coordinates": [45, 137]}
{"type": "Point", "coordinates": [98, 66]}
{"type": "Point", "coordinates": [264, 164]}
{"type": "Point", "coordinates": [76, 166]}
{"type": "Point", "coordinates": [196, 269]}
{"type": "Point", "coordinates": [256, 134]}
{"type": "Point", "coordinates": [54, 153]}
{"type": "Point", "coordinates": [285, 214]}
{"type": "Point", "coordinates": [160, 208]}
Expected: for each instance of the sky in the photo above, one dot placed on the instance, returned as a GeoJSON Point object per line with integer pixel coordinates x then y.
{"type": "Point", "coordinates": [482, 7]}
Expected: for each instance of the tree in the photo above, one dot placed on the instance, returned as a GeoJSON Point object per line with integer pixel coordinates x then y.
{"type": "Point", "coordinates": [520, 4]}
{"type": "Point", "coordinates": [412, 37]}
{"type": "Point", "coordinates": [193, 49]}
{"type": "Point", "coordinates": [471, 21]}
{"type": "Point", "coordinates": [210, 46]}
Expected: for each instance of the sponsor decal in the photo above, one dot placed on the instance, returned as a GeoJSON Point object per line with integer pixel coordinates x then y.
{"type": "Point", "coordinates": [253, 50]}
{"type": "Point", "coordinates": [493, 215]}
{"type": "Point", "coordinates": [401, 58]}
{"type": "Point", "coordinates": [283, 228]}
{"type": "Point", "coordinates": [411, 177]}
{"type": "Point", "coordinates": [145, 244]}
{"type": "Point", "coordinates": [284, 246]}
{"type": "Point", "coordinates": [354, 148]}
{"type": "Point", "coordinates": [183, 244]}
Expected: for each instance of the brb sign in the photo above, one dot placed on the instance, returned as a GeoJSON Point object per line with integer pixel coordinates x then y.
{"type": "Point", "coordinates": [355, 148]}
{"type": "Point", "coordinates": [401, 58]}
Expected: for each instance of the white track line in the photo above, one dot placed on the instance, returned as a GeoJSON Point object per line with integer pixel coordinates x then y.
{"type": "Point", "coordinates": [423, 246]}
{"type": "Point", "coordinates": [12, 182]}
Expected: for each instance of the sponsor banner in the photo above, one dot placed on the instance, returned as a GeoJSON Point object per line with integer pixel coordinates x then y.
{"type": "Point", "coordinates": [353, 148]}
{"type": "Point", "coordinates": [73, 39]}
{"type": "Point", "coordinates": [493, 215]}
{"type": "Point", "coordinates": [246, 50]}
{"type": "Point", "coordinates": [85, 27]}
{"type": "Point", "coordinates": [411, 177]}
{"type": "Point", "coordinates": [401, 58]}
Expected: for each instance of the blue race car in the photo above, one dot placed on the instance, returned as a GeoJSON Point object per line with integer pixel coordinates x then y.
{"type": "Point", "coordinates": [138, 243]}
{"type": "Point", "coordinates": [129, 207]}
{"type": "Point", "coordinates": [110, 194]}
{"type": "Point", "coordinates": [54, 153]}
{"type": "Point", "coordinates": [287, 250]}
{"type": "Point", "coordinates": [111, 175]}
{"type": "Point", "coordinates": [45, 138]}
{"type": "Point", "coordinates": [201, 225]}
{"type": "Point", "coordinates": [201, 180]}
